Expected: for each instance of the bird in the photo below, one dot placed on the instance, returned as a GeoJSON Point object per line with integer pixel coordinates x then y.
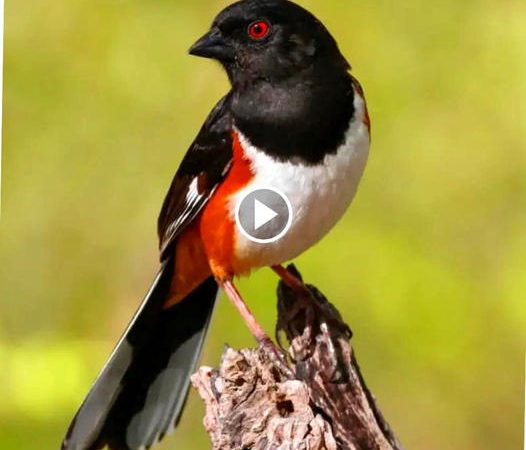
{"type": "Point", "coordinates": [295, 118]}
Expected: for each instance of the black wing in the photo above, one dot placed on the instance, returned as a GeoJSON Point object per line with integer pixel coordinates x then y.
{"type": "Point", "coordinates": [202, 169]}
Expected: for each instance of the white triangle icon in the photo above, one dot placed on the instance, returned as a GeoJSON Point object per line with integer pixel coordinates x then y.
{"type": "Point", "coordinates": [262, 214]}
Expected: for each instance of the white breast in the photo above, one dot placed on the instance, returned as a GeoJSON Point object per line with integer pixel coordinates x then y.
{"type": "Point", "coordinates": [319, 194]}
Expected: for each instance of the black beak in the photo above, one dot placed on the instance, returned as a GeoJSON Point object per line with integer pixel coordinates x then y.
{"type": "Point", "coordinates": [213, 45]}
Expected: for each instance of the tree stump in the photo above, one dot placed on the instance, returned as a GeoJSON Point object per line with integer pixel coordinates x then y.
{"type": "Point", "coordinates": [253, 403]}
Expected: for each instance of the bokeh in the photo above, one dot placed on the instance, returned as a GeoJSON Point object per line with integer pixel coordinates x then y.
{"type": "Point", "coordinates": [428, 266]}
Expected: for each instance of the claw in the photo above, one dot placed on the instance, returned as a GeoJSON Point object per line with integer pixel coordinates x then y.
{"type": "Point", "coordinates": [277, 357]}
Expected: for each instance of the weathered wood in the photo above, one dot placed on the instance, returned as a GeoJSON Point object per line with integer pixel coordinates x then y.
{"type": "Point", "coordinates": [251, 403]}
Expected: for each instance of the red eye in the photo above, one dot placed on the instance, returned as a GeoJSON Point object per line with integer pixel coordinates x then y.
{"type": "Point", "coordinates": [258, 30]}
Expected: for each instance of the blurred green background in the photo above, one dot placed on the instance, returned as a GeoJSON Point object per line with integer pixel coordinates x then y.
{"type": "Point", "coordinates": [429, 267]}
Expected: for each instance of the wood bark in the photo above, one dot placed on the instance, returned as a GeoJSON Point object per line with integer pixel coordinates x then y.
{"type": "Point", "coordinates": [253, 402]}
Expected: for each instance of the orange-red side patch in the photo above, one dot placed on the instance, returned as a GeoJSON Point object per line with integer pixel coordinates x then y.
{"type": "Point", "coordinates": [191, 265]}
{"type": "Point", "coordinates": [217, 226]}
{"type": "Point", "coordinates": [359, 90]}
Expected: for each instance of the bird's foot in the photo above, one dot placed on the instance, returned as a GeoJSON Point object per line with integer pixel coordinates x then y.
{"type": "Point", "coordinates": [277, 356]}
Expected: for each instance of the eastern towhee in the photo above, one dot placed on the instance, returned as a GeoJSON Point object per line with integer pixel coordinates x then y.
{"type": "Point", "coordinates": [294, 119]}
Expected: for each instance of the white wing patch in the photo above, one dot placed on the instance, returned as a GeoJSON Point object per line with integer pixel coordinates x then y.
{"type": "Point", "coordinates": [192, 199]}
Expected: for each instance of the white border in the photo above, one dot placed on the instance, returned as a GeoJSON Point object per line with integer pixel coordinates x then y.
{"type": "Point", "coordinates": [289, 220]}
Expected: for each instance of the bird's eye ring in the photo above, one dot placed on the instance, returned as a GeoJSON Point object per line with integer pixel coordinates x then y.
{"type": "Point", "coordinates": [259, 29]}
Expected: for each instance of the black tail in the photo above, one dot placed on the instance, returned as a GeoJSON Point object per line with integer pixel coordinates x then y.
{"type": "Point", "coordinates": [140, 393]}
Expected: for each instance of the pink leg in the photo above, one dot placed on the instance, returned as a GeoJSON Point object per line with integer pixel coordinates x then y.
{"type": "Point", "coordinates": [255, 328]}
{"type": "Point", "coordinates": [289, 279]}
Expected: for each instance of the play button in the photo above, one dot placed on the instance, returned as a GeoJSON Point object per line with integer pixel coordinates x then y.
{"type": "Point", "coordinates": [263, 215]}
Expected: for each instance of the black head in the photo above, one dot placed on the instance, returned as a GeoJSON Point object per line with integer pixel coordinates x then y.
{"type": "Point", "coordinates": [269, 40]}
{"type": "Point", "coordinates": [292, 94]}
